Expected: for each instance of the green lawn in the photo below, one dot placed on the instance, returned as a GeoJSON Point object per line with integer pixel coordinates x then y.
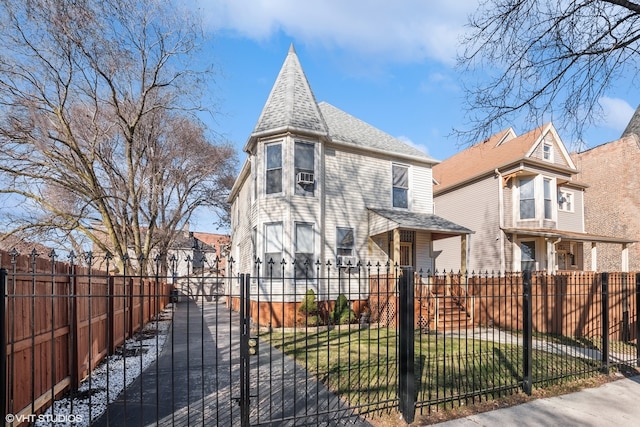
{"type": "Point", "coordinates": [361, 365]}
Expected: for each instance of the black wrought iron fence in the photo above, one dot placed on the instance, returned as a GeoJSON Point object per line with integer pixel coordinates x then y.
{"type": "Point", "coordinates": [323, 345]}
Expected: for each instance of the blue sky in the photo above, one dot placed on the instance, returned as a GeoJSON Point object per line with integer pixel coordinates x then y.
{"type": "Point", "coordinates": [388, 63]}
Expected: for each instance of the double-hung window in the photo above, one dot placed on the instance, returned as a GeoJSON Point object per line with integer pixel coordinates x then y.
{"type": "Point", "coordinates": [344, 241]}
{"type": "Point", "coordinates": [400, 178]}
{"type": "Point", "coordinates": [548, 201]}
{"type": "Point", "coordinates": [304, 168]}
{"type": "Point", "coordinates": [273, 249]}
{"type": "Point", "coordinates": [304, 250]}
{"type": "Point", "coordinates": [527, 198]}
{"type": "Point", "coordinates": [565, 201]}
{"type": "Point", "coordinates": [274, 168]}
{"type": "Point", "coordinates": [547, 152]}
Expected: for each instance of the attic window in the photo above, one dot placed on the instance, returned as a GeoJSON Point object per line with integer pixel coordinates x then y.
{"type": "Point", "coordinates": [547, 152]}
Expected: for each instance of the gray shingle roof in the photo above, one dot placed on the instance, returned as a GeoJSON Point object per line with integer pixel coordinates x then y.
{"type": "Point", "coordinates": [291, 103]}
{"type": "Point", "coordinates": [343, 127]}
{"type": "Point", "coordinates": [634, 125]}
{"type": "Point", "coordinates": [292, 106]}
{"type": "Point", "coordinates": [421, 221]}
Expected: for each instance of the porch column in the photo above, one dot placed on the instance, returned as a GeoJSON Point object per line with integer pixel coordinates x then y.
{"type": "Point", "coordinates": [464, 239]}
{"type": "Point", "coordinates": [396, 246]}
{"type": "Point", "coordinates": [594, 256]}
{"type": "Point", "coordinates": [625, 257]}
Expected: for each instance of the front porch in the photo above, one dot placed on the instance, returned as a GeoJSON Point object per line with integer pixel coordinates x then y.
{"type": "Point", "coordinates": [555, 250]}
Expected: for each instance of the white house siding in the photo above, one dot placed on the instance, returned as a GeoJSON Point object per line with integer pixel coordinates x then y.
{"type": "Point", "coordinates": [573, 221]}
{"type": "Point", "coordinates": [421, 189]}
{"type": "Point", "coordinates": [424, 260]}
{"type": "Point", "coordinates": [476, 207]}
{"type": "Point", "coordinates": [558, 157]}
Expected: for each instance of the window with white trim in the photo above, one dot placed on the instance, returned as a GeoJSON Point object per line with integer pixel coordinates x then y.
{"type": "Point", "coordinates": [274, 168]}
{"type": "Point", "coordinates": [547, 152]}
{"type": "Point", "coordinates": [400, 179]}
{"type": "Point", "coordinates": [344, 241]}
{"type": "Point", "coordinates": [528, 255]}
{"type": "Point", "coordinates": [565, 201]}
{"type": "Point", "coordinates": [548, 202]}
{"type": "Point", "coordinates": [304, 250]}
{"type": "Point", "coordinates": [272, 264]}
{"type": "Point", "coordinates": [304, 168]}
{"type": "Point", "coordinates": [527, 198]}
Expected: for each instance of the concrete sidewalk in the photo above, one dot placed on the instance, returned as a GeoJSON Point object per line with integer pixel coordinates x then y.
{"type": "Point", "coordinates": [613, 404]}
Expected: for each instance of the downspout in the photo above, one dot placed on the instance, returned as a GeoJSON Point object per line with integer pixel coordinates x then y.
{"type": "Point", "coordinates": [500, 237]}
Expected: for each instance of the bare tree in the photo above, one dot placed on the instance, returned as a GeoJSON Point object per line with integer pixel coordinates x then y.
{"type": "Point", "coordinates": [547, 59]}
{"type": "Point", "coordinates": [99, 136]}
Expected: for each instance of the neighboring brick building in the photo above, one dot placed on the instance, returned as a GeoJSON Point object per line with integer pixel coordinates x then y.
{"type": "Point", "coordinates": [612, 201]}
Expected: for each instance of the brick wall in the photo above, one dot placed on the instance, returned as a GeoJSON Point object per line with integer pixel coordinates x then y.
{"type": "Point", "coordinates": [612, 201]}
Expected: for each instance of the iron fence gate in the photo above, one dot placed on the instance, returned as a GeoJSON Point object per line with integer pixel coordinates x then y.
{"type": "Point", "coordinates": [207, 346]}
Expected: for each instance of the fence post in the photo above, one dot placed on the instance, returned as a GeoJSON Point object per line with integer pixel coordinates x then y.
{"type": "Point", "coordinates": [527, 333]}
{"type": "Point", "coordinates": [244, 349]}
{"type": "Point", "coordinates": [3, 344]}
{"type": "Point", "coordinates": [605, 322]}
{"type": "Point", "coordinates": [406, 369]}
{"type": "Point", "coordinates": [637, 318]}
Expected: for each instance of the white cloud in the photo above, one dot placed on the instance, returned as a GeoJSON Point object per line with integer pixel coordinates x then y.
{"type": "Point", "coordinates": [401, 31]}
{"type": "Point", "coordinates": [616, 113]}
{"type": "Point", "coordinates": [409, 142]}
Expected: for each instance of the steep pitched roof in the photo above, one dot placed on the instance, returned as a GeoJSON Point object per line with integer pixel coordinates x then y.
{"type": "Point", "coordinates": [499, 150]}
{"type": "Point", "coordinates": [634, 125]}
{"type": "Point", "coordinates": [291, 104]}
{"type": "Point", "coordinates": [347, 129]}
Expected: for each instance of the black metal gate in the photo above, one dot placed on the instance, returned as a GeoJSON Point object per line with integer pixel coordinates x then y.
{"type": "Point", "coordinates": [327, 346]}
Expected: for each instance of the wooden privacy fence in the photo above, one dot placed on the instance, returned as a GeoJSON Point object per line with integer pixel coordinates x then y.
{"type": "Point", "coordinates": [62, 320]}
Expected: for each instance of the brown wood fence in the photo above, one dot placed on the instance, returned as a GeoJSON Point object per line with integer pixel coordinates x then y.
{"type": "Point", "coordinates": [62, 321]}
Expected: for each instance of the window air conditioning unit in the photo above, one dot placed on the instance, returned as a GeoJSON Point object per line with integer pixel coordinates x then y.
{"type": "Point", "coordinates": [346, 261]}
{"type": "Point", "coordinates": [304, 178]}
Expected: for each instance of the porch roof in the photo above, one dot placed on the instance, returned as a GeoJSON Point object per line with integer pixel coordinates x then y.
{"type": "Point", "coordinates": [384, 220]}
{"type": "Point", "coordinates": [568, 235]}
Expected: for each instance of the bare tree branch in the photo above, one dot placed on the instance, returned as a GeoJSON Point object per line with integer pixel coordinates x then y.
{"type": "Point", "coordinates": [97, 130]}
{"type": "Point", "coordinates": [545, 60]}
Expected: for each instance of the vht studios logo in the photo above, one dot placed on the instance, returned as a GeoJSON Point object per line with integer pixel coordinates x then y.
{"type": "Point", "coordinates": [46, 418]}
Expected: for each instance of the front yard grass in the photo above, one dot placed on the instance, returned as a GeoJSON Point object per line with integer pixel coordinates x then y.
{"type": "Point", "coordinates": [361, 366]}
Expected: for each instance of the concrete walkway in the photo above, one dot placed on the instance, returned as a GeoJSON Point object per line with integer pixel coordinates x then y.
{"type": "Point", "coordinates": [615, 404]}
{"type": "Point", "coordinates": [196, 381]}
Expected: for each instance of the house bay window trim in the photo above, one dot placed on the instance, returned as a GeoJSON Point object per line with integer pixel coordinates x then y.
{"type": "Point", "coordinates": [273, 249]}
{"type": "Point", "coordinates": [304, 251]}
{"type": "Point", "coordinates": [534, 199]}
{"type": "Point", "coordinates": [274, 167]}
{"type": "Point", "coordinates": [527, 198]}
{"type": "Point", "coordinates": [305, 176]}
{"type": "Point", "coordinates": [400, 185]}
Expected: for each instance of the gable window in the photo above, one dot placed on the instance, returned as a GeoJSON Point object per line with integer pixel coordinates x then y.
{"type": "Point", "coordinates": [304, 250]}
{"type": "Point", "coordinates": [304, 169]}
{"type": "Point", "coordinates": [527, 198]}
{"type": "Point", "coordinates": [274, 168]}
{"type": "Point", "coordinates": [547, 152]}
{"type": "Point", "coordinates": [528, 255]}
{"type": "Point", "coordinates": [548, 204]}
{"type": "Point", "coordinates": [273, 249]}
{"type": "Point", "coordinates": [565, 201]}
{"type": "Point", "coordinates": [400, 186]}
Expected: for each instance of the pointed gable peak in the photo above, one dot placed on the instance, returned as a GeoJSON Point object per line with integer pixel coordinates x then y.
{"type": "Point", "coordinates": [634, 125]}
{"type": "Point", "coordinates": [291, 105]}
